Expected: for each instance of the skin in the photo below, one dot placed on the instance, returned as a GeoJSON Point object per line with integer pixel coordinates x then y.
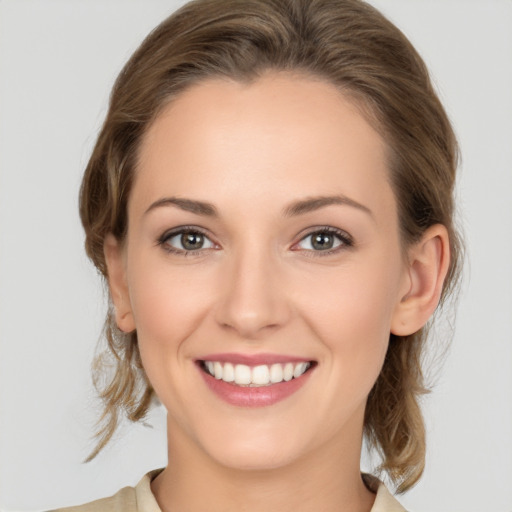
{"type": "Point", "coordinates": [259, 286]}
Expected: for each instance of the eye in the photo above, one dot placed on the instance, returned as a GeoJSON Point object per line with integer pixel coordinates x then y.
{"type": "Point", "coordinates": [185, 240]}
{"type": "Point", "coordinates": [327, 239]}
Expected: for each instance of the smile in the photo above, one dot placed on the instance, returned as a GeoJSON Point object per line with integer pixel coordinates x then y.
{"type": "Point", "coordinates": [254, 381]}
{"type": "Point", "coordinates": [256, 376]}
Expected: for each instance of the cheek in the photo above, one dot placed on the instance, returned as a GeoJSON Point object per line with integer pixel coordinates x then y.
{"type": "Point", "coordinates": [356, 299]}
{"type": "Point", "coordinates": [350, 311]}
{"type": "Point", "coordinates": [166, 302]}
{"type": "Point", "coordinates": [168, 306]}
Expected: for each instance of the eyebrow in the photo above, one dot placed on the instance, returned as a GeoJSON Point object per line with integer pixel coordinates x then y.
{"type": "Point", "coordinates": [296, 208]}
{"type": "Point", "coordinates": [314, 203]}
{"type": "Point", "coordinates": [189, 205]}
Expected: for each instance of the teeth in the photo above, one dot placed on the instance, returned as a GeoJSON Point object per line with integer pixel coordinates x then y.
{"type": "Point", "coordinates": [262, 375]}
{"type": "Point", "coordinates": [242, 374]}
{"type": "Point", "coordinates": [288, 372]}
{"type": "Point", "coordinates": [228, 373]}
{"type": "Point", "coordinates": [299, 369]}
{"type": "Point", "coordinates": [217, 368]}
{"type": "Point", "coordinates": [276, 373]}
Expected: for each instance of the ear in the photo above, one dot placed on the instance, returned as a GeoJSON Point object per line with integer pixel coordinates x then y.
{"type": "Point", "coordinates": [117, 283]}
{"type": "Point", "coordinates": [427, 268]}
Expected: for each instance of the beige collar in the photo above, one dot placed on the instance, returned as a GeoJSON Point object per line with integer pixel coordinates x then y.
{"type": "Point", "coordinates": [384, 501]}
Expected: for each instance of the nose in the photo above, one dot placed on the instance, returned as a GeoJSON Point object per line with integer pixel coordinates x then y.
{"type": "Point", "coordinates": [253, 295]}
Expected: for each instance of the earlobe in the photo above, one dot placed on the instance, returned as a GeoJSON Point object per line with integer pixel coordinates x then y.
{"type": "Point", "coordinates": [428, 265]}
{"type": "Point", "coordinates": [117, 283]}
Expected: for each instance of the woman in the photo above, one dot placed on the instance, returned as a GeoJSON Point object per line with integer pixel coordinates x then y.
{"type": "Point", "coordinates": [271, 202]}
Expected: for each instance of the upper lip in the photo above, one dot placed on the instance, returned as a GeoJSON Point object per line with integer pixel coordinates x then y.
{"type": "Point", "coordinates": [253, 359]}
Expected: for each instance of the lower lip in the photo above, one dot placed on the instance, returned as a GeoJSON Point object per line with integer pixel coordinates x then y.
{"type": "Point", "coordinates": [262, 396]}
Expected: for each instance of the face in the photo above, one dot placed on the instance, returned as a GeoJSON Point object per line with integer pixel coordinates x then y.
{"type": "Point", "coordinates": [262, 268]}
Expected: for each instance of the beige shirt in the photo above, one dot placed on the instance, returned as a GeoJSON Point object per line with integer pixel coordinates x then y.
{"type": "Point", "coordinates": [141, 499]}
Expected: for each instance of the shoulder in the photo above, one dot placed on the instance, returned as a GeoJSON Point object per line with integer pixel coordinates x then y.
{"type": "Point", "coordinates": [384, 500]}
{"type": "Point", "coordinates": [128, 499]}
{"type": "Point", "coordinates": [125, 500]}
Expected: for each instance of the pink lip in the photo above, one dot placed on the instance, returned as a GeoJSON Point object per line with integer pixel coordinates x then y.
{"type": "Point", "coordinates": [253, 396]}
{"type": "Point", "coordinates": [253, 359]}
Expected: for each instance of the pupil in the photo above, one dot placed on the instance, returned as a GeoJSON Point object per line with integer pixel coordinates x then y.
{"type": "Point", "coordinates": [322, 241]}
{"type": "Point", "coordinates": [192, 241]}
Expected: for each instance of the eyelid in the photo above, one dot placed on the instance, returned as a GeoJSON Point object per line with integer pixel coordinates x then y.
{"type": "Point", "coordinates": [170, 233]}
{"type": "Point", "coordinates": [346, 239]}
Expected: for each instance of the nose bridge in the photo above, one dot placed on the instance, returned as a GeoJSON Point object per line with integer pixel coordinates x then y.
{"type": "Point", "coordinates": [253, 298]}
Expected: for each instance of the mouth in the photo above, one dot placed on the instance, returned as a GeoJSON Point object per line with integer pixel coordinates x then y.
{"type": "Point", "coordinates": [254, 381]}
{"type": "Point", "coordinates": [255, 376]}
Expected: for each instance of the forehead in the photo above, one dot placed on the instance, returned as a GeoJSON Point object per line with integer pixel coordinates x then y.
{"type": "Point", "coordinates": [281, 132]}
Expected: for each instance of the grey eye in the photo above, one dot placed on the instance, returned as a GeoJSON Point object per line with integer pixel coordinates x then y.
{"type": "Point", "coordinates": [321, 241]}
{"type": "Point", "coordinates": [189, 241]}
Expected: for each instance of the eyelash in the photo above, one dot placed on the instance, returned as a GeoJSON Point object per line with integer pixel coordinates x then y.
{"type": "Point", "coordinates": [162, 240]}
{"type": "Point", "coordinates": [345, 239]}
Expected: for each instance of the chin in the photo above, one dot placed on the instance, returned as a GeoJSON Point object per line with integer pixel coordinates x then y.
{"type": "Point", "coordinates": [250, 443]}
{"type": "Point", "coordinates": [253, 457]}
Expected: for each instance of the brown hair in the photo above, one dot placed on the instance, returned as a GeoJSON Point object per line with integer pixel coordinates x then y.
{"type": "Point", "coordinates": [345, 42]}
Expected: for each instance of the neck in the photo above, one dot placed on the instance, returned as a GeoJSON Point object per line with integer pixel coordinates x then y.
{"type": "Point", "coordinates": [193, 481]}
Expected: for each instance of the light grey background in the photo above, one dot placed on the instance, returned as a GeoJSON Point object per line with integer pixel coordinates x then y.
{"type": "Point", "coordinates": [58, 59]}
